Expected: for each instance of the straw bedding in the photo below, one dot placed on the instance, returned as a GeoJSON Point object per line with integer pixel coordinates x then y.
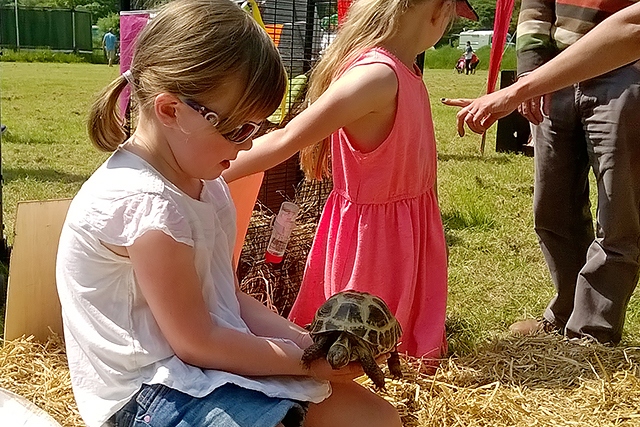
{"type": "Point", "coordinates": [541, 380]}
{"type": "Point", "coordinates": [38, 372]}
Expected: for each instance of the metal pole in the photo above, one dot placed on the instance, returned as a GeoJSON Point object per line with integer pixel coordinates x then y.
{"type": "Point", "coordinates": [4, 248]}
{"type": "Point", "coordinates": [17, 26]}
{"type": "Point", "coordinates": [73, 28]}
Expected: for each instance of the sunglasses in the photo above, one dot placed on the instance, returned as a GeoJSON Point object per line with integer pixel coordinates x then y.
{"type": "Point", "coordinates": [238, 136]}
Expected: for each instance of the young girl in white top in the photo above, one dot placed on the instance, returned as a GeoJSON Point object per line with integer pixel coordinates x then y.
{"type": "Point", "coordinates": [157, 331]}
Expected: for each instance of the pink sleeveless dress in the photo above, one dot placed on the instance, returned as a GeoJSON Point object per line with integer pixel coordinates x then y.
{"type": "Point", "coordinates": [381, 230]}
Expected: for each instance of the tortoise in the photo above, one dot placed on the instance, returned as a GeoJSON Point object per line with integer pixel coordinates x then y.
{"type": "Point", "coordinates": [355, 326]}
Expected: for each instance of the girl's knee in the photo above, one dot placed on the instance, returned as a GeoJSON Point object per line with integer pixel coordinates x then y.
{"type": "Point", "coordinates": [377, 412]}
{"type": "Point", "coordinates": [386, 416]}
{"type": "Point", "coordinates": [354, 406]}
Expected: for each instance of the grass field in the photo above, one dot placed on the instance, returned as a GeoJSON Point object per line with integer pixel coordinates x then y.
{"type": "Point", "coordinates": [497, 274]}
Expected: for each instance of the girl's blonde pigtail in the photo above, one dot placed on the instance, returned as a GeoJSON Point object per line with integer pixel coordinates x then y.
{"type": "Point", "coordinates": [106, 127]}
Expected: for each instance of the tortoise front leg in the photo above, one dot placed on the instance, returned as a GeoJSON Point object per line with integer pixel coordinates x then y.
{"type": "Point", "coordinates": [370, 367]}
{"type": "Point", "coordinates": [394, 365]}
{"type": "Point", "coordinates": [317, 350]}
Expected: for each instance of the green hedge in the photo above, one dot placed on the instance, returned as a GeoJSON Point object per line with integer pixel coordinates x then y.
{"type": "Point", "coordinates": [47, 55]}
{"type": "Point", "coordinates": [442, 58]}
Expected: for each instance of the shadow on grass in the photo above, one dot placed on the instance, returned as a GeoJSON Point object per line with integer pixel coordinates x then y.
{"type": "Point", "coordinates": [498, 160]}
{"type": "Point", "coordinates": [452, 239]}
{"type": "Point", "coordinates": [457, 219]}
{"type": "Point", "coordinates": [41, 175]}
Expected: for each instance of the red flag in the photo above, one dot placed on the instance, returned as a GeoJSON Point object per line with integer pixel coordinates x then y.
{"type": "Point", "coordinates": [343, 6]}
{"type": "Point", "coordinates": [504, 9]}
{"type": "Point", "coordinates": [131, 23]}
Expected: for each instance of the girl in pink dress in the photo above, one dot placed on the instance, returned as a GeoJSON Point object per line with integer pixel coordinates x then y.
{"type": "Point", "coordinates": [381, 230]}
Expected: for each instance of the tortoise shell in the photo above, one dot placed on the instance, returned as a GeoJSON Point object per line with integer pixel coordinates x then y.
{"type": "Point", "coordinates": [361, 314]}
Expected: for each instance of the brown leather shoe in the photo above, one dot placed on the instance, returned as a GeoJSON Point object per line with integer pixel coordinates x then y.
{"type": "Point", "coordinates": [533, 326]}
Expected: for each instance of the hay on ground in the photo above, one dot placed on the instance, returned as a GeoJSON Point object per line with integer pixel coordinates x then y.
{"type": "Point", "coordinates": [39, 372]}
{"type": "Point", "coordinates": [541, 380]}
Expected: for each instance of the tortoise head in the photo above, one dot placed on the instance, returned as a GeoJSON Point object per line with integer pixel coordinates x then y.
{"type": "Point", "coordinates": [339, 354]}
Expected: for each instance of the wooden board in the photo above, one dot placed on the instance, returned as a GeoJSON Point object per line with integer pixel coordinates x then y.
{"type": "Point", "coordinates": [32, 299]}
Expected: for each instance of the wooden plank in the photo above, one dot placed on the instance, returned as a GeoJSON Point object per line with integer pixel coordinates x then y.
{"type": "Point", "coordinates": [32, 299]}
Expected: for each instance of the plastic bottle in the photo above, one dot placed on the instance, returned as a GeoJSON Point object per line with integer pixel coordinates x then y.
{"type": "Point", "coordinates": [282, 227]}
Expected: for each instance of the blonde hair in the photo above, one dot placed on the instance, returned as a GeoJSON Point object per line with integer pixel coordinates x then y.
{"type": "Point", "coordinates": [368, 23]}
{"type": "Point", "coordinates": [192, 48]}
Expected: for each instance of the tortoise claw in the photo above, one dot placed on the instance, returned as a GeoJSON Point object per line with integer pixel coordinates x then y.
{"type": "Point", "coordinates": [393, 362]}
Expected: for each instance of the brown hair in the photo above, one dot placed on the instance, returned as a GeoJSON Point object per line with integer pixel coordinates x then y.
{"type": "Point", "coordinates": [192, 48]}
{"type": "Point", "coordinates": [368, 23]}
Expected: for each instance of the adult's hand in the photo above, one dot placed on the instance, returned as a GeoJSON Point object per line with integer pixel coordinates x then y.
{"type": "Point", "coordinates": [479, 114]}
{"type": "Point", "coordinates": [531, 110]}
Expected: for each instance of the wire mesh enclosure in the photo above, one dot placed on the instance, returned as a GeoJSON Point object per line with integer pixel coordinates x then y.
{"type": "Point", "coordinates": [277, 285]}
{"type": "Point", "coordinates": [301, 29]}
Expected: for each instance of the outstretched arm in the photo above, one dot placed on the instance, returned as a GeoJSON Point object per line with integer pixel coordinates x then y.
{"type": "Point", "coordinates": [613, 43]}
{"type": "Point", "coordinates": [362, 91]}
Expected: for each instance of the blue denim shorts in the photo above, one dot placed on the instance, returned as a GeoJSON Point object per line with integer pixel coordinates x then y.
{"type": "Point", "coordinates": [227, 406]}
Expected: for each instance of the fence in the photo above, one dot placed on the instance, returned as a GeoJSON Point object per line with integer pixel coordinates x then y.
{"type": "Point", "coordinates": [58, 29]}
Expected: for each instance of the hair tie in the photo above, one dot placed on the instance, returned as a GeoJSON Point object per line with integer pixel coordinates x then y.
{"type": "Point", "coordinates": [128, 76]}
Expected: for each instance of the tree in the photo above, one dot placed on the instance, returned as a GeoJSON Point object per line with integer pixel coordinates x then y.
{"type": "Point", "coordinates": [486, 10]}
{"type": "Point", "coordinates": [98, 8]}
{"type": "Point", "coordinates": [102, 8]}
{"type": "Point", "coordinates": [110, 21]}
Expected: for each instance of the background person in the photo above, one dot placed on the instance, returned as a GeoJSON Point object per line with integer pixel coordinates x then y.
{"type": "Point", "coordinates": [468, 57]}
{"type": "Point", "coordinates": [591, 125]}
{"type": "Point", "coordinates": [109, 46]}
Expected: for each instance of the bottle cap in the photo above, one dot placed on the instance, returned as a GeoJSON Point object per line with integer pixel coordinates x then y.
{"type": "Point", "coordinates": [273, 259]}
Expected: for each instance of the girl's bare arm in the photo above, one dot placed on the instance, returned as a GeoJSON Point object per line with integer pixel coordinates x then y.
{"type": "Point", "coordinates": [362, 91]}
{"type": "Point", "coordinates": [168, 280]}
